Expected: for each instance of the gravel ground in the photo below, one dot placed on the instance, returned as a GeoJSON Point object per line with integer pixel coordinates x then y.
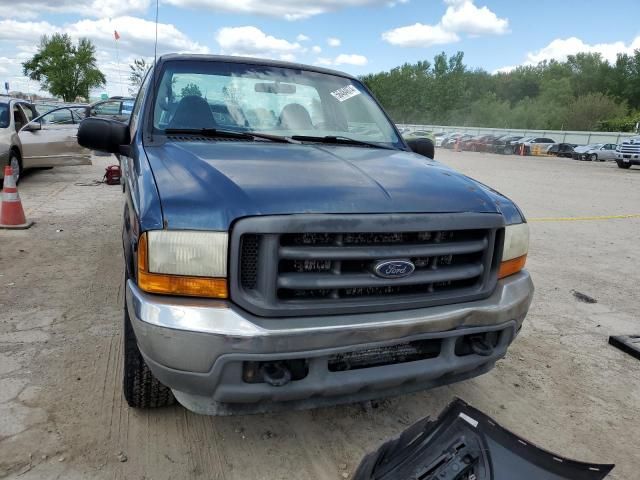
{"type": "Point", "coordinates": [62, 414]}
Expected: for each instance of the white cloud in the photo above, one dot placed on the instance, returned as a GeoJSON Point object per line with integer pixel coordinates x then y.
{"type": "Point", "coordinates": [461, 17]}
{"type": "Point", "coordinates": [560, 49]}
{"type": "Point", "coordinates": [316, 49]}
{"type": "Point", "coordinates": [419, 35]}
{"type": "Point", "coordinates": [137, 38]}
{"type": "Point", "coordinates": [351, 59]}
{"type": "Point", "coordinates": [343, 59]}
{"type": "Point", "coordinates": [287, 9]}
{"type": "Point", "coordinates": [23, 31]}
{"type": "Point", "coordinates": [302, 38]}
{"type": "Point", "coordinates": [334, 42]}
{"type": "Point", "coordinates": [137, 35]}
{"type": "Point", "coordinates": [23, 9]}
{"type": "Point", "coordinates": [324, 61]}
{"type": "Point", "coordinates": [252, 41]}
{"type": "Point", "coordinates": [506, 69]}
{"type": "Point", "coordinates": [393, 3]}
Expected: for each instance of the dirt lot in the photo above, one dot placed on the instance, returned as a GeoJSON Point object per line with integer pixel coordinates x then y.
{"type": "Point", "coordinates": [62, 414]}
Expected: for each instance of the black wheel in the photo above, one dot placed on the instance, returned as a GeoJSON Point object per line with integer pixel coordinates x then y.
{"type": "Point", "coordinates": [593, 157]}
{"type": "Point", "coordinates": [623, 165]}
{"type": "Point", "coordinates": [508, 150]}
{"type": "Point", "coordinates": [141, 388]}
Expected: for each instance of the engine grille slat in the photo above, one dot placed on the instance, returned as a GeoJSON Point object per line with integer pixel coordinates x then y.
{"type": "Point", "coordinates": [379, 253]}
{"type": "Point", "coordinates": [311, 281]}
{"type": "Point", "coordinates": [315, 264]}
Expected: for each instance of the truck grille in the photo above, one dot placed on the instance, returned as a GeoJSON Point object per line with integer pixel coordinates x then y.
{"type": "Point", "coordinates": [630, 148]}
{"type": "Point", "coordinates": [321, 264]}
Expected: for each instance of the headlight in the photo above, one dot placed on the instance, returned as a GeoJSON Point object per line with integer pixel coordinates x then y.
{"type": "Point", "coordinates": [516, 247]}
{"type": "Point", "coordinates": [183, 263]}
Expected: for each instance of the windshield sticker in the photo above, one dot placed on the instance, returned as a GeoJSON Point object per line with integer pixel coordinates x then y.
{"type": "Point", "coordinates": [345, 93]}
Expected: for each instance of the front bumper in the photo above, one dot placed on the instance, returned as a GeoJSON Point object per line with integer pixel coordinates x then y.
{"type": "Point", "coordinates": [198, 347]}
{"type": "Point", "coordinates": [628, 158]}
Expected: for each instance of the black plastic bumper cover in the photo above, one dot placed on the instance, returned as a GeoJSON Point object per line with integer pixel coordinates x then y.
{"type": "Point", "coordinates": [465, 444]}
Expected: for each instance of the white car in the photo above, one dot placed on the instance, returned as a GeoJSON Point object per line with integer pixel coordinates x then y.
{"type": "Point", "coordinates": [595, 152]}
{"type": "Point", "coordinates": [439, 136]}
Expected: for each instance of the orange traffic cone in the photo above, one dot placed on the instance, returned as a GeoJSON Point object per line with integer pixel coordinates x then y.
{"type": "Point", "coordinates": [11, 212]}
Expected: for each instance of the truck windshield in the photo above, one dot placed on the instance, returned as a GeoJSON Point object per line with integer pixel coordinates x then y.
{"type": "Point", "coordinates": [267, 99]}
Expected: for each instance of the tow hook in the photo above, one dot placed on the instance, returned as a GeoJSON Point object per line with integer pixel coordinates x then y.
{"type": "Point", "coordinates": [275, 374]}
{"type": "Point", "coordinates": [479, 346]}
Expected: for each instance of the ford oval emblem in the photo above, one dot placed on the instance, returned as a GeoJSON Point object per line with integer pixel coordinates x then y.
{"type": "Point", "coordinates": [394, 268]}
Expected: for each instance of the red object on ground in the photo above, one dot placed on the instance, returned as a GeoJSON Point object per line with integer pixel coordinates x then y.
{"type": "Point", "coordinates": [11, 212]}
{"type": "Point", "coordinates": [112, 175]}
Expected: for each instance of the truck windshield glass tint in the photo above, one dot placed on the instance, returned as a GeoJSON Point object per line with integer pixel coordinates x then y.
{"type": "Point", "coordinates": [266, 99]}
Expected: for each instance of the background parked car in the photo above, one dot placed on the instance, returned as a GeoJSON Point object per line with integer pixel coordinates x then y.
{"type": "Point", "coordinates": [47, 140]}
{"type": "Point", "coordinates": [503, 144]}
{"type": "Point", "coordinates": [477, 143]}
{"type": "Point", "coordinates": [439, 137]}
{"type": "Point", "coordinates": [628, 153]}
{"type": "Point", "coordinates": [419, 134]}
{"type": "Point", "coordinates": [449, 139]}
{"type": "Point", "coordinates": [530, 143]}
{"type": "Point", "coordinates": [451, 143]}
{"type": "Point", "coordinates": [516, 145]}
{"type": "Point", "coordinates": [595, 152]}
{"type": "Point", "coordinates": [14, 114]}
{"type": "Point", "coordinates": [115, 108]}
{"type": "Point", "coordinates": [561, 149]}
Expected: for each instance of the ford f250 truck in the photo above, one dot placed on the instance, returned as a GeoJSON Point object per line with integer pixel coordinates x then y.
{"type": "Point", "coordinates": [284, 246]}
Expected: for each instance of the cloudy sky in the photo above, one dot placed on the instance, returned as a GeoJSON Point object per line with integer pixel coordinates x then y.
{"type": "Point", "coordinates": [358, 36]}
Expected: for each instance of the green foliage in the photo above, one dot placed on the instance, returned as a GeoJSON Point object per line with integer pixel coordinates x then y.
{"type": "Point", "coordinates": [190, 89]}
{"type": "Point", "coordinates": [137, 71]}
{"type": "Point", "coordinates": [64, 69]}
{"type": "Point", "coordinates": [584, 92]}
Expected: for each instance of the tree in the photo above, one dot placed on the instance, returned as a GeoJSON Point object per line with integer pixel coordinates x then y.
{"type": "Point", "coordinates": [138, 70]}
{"type": "Point", "coordinates": [589, 111]}
{"type": "Point", "coordinates": [190, 89]}
{"type": "Point", "coordinates": [64, 69]}
{"type": "Point", "coordinates": [585, 91]}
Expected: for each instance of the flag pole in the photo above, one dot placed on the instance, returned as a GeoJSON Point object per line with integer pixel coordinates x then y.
{"type": "Point", "coordinates": [117, 37]}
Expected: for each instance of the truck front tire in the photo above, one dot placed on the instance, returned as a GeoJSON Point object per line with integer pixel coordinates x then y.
{"type": "Point", "coordinates": [623, 165]}
{"type": "Point", "coordinates": [141, 388]}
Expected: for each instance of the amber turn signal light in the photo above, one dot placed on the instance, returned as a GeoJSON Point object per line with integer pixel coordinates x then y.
{"type": "Point", "coordinates": [176, 284]}
{"type": "Point", "coordinates": [512, 266]}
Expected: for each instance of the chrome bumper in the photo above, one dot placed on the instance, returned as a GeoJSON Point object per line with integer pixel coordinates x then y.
{"type": "Point", "coordinates": [197, 346]}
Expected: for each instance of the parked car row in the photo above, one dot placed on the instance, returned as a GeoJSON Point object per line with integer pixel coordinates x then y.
{"type": "Point", "coordinates": [522, 145]}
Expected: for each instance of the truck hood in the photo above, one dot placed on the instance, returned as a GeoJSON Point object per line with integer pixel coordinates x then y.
{"type": "Point", "coordinates": [208, 184]}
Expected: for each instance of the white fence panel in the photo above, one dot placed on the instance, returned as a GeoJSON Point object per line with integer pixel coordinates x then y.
{"type": "Point", "coordinates": [560, 136]}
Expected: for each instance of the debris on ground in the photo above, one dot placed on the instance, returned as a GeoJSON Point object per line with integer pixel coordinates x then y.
{"type": "Point", "coordinates": [629, 344]}
{"type": "Point", "coordinates": [583, 297]}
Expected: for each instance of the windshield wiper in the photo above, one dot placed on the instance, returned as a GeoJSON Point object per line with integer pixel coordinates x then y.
{"type": "Point", "coordinates": [217, 133]}
{"type": "Point", "coordinates": [340, 140]}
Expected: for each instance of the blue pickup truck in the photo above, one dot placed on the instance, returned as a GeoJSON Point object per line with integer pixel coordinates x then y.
{"type": "Point", "coordinates": [285, 248]}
